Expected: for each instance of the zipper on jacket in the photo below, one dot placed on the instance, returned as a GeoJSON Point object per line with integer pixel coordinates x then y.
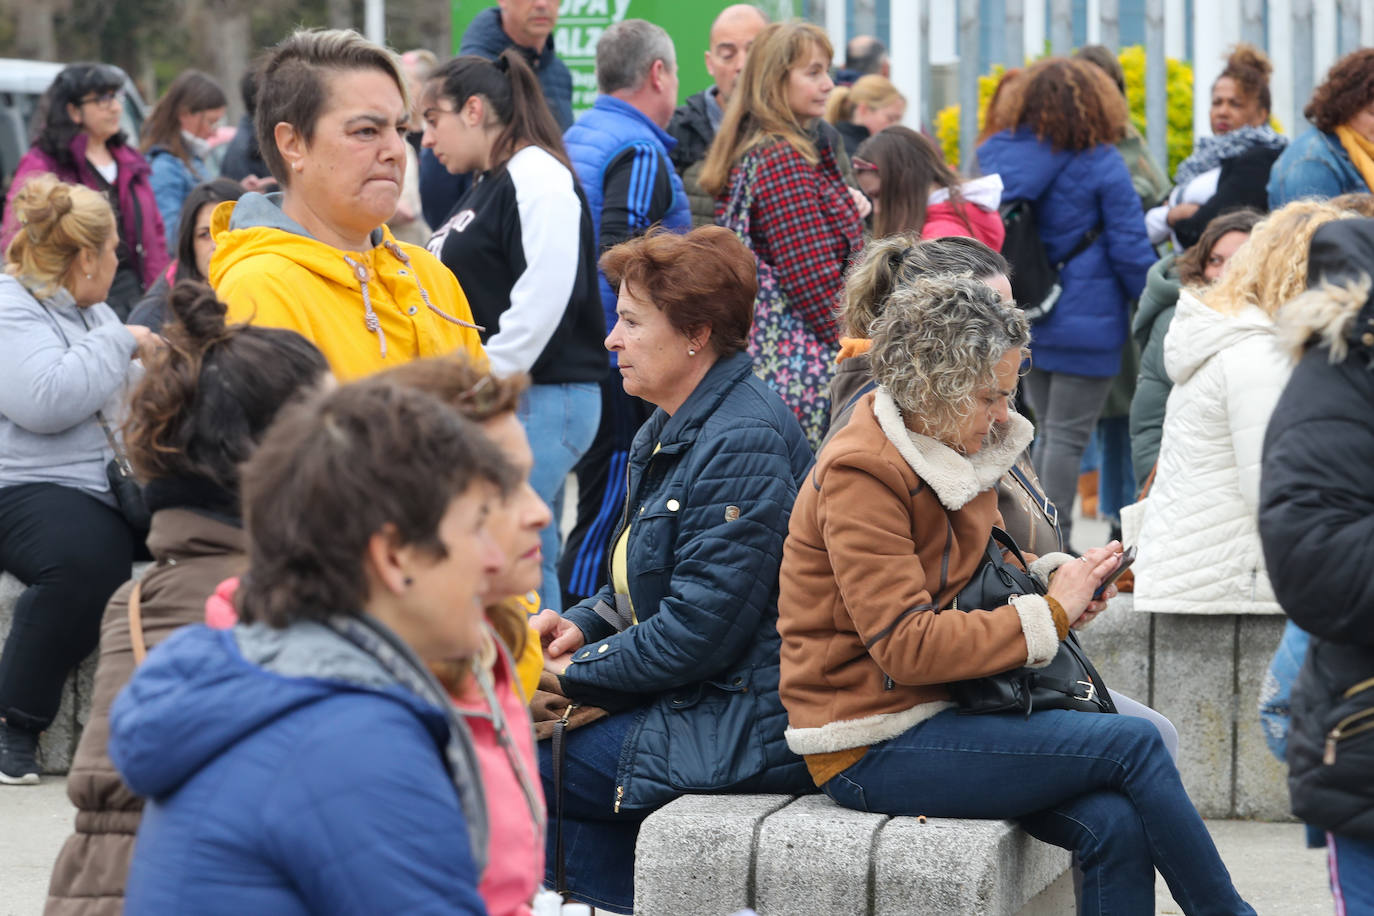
{"type": "Point", "coordinates": [1346, 728]}
{"type": "Point", "coordinates": [619, 795]}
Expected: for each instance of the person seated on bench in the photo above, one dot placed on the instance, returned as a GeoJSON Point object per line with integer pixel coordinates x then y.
{"type": "Point", "coordinates": [890, 527]}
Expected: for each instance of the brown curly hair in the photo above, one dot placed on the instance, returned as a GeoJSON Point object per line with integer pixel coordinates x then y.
{"type": "Point", "coordinates": [1348, 87]}
{"type": "Point", "coordinates": [1072, 104]}
{"type": "Point", "coordinates": [1250, 68]}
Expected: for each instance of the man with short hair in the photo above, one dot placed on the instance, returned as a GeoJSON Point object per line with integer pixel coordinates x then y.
{"type": "Point", "coordinates": [527, 25]}
{"type": "Point", "coordinates": [862, 56]}
{"type": "Point", "coordinates": [695, 122]}
{"type": "Point", "coordinates": [620, 153]}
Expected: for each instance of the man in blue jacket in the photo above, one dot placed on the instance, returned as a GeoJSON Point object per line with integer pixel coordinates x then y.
{"type": "Point", "coordinates": [620, 150]}
{"type": "Point", "coordinates": [524, 24]}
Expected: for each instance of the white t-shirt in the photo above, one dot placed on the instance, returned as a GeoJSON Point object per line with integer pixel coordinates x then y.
{"type": "Point", "coordinates": [108, 172]}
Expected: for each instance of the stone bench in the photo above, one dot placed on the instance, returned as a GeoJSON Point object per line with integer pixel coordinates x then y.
{"type": "Point", "coordinates": [1204, 673]}
{"type": "Point", "coordinates": [58, 744]}
{"type": "Point", "coordinates": [712, 855]}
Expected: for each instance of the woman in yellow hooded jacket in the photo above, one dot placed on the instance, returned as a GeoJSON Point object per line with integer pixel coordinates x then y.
{"type": "Point", "coordinates": [317, 257]}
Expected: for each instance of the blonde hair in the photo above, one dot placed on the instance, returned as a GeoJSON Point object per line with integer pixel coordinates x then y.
{"type": "Point", "coordinates": [874, 90]}
{"type": "Point", "coordinates": [57, 221]}
{"type": "Point", "coordinates": [1271, 267]}
{"type": "Point", "coordinates": [758, 111]}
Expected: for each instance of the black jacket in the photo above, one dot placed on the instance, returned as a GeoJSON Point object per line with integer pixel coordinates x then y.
{"type": "Point", "coordinates": [244, 157]}
{"type": "Point", "coordinates": [486, 38]}
{"type": "Point", "coordinates": [1317, 526]}
{"type": "Point", "coordinates": [1241, 184]}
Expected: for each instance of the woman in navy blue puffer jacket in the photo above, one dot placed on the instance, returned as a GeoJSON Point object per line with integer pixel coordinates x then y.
{"type": "Point", "coordinates": [681, 647]}
{"type": "Point", "coordinates": [1061, 156]}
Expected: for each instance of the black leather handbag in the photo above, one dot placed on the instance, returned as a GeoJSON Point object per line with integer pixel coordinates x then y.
{"type": "Point", "coordinates": [1069, 681]}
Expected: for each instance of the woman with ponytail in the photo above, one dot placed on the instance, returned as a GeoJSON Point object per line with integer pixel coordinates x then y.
{"type": "Point", "coordinates": [521, 243]}
{"type": "Point", "coordinates": [862, 110]}
{"type": "Point", "coordinates": [198, 412]}
{"type": "Point", "coordinates": [1229, 169]}
{"type": "Point", "coordinates": [65, 363]}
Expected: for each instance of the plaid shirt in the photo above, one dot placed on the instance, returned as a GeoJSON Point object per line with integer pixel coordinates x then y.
{"type": "Point", "coordinates": [805, 225]}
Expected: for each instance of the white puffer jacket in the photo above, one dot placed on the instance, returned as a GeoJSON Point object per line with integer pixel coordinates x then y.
{"type": "Point", "coordinates": [1199, 549]}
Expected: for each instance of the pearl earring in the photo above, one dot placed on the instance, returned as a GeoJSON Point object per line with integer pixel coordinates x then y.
{"type": "Point", "coordinates": [691, 351]}
{"type": "Point", "coordinates": [88, 276]}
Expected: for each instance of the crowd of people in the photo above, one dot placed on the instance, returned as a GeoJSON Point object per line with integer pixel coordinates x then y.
{"type": "Point", "coordinates": [821, 541]}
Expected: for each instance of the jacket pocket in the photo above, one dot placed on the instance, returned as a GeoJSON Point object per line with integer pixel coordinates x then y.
{"type": "Point", "coordinates": [713, 735]}
{"type": "Point", "coordinates": [652, 552]}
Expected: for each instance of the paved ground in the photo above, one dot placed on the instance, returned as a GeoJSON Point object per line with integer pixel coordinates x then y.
{"type": "Point", "coordinates": [1271, 867]}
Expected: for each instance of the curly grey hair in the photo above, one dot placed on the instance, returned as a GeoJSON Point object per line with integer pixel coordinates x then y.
{"type": "Point", "coordinates": [937, 342]}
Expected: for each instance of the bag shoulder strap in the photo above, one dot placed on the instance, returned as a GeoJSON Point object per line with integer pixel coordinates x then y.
{"type": "Point", "coordinates": [849, 405]}
{"type": "Point", "coordinates": [136, 638]}
{"type": "Point", "coordinates": [1149, 482]}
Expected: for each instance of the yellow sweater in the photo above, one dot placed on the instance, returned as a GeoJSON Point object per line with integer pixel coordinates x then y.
{"type": "Point", "coordinates": [271, 274]}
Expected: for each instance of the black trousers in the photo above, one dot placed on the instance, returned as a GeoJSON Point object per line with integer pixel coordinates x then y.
{"type": "Point", "coordinates": [72, 551]}
{"type": "Point", "coordinates": [601, 481]}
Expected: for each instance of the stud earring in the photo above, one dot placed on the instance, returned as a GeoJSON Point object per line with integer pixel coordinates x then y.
{"type": "Point", "coordinates": [408, 581]}
{"type": "Point", "coordinates": [88, 276]}
{"type": "Point", "coordinates": [691, 351]}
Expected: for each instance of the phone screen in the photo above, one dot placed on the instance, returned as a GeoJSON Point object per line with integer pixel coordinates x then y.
{"type": "Point", "coordinates": [1127, 558]}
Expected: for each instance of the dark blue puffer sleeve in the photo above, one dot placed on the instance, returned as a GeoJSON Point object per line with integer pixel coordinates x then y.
{"type": "Point", "coordinates": [1317, 502]}
{"type": "Point", "coordinates": [365, 818]}
{"type": "Point", "coordinates": [724, 577]}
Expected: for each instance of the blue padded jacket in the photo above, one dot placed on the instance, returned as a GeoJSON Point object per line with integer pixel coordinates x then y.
{"type": "Point", "coordinates": [709, 512]}
{"type": "Point", "coordinates": [1075, 191]}
{"type": "Point", "coordinates": [319, 791]}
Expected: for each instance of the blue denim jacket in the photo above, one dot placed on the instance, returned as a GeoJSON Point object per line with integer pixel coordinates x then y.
{"type": "Point", "coordinates": [1314, 165]}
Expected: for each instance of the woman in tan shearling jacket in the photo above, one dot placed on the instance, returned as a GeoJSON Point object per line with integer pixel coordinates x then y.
{"type": "Point", "coordinates": [896, 519]}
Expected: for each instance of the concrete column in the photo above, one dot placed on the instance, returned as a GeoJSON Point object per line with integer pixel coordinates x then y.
{"type": "Point", "coordinates": [1304, 70]}
{"type": "Point", "coordinates": [1252, 22]}
{"type": "Point", "coordinates": [970, 67]}
{"type": "Point", "coordinates": [1109, 23]}
{"type": "Point", "coordinates": [1061, 27]}
{"type": "Point", "coordinates": [1093, 14]}
{"type": "Point", "coordinates": [1216, 24]}
{"type": "Point", "coordinates": [1014, 53]}
{"type": "Point", "coordinates": [1367, 22]}
{"type": "Point", "coordinates": [835, 27]}
{"type": "Point", "coordinates": [1281, 80]}
{"type": "Point", "coordinates": [1325, 49]}
{"type": "Point", "coordinates": [908, 58]}
{"type": "Point", "coordinates": [374, 19]}
{"type": "Point", "coordinates": [1176, 29]}
{"type": "Point", "coordinates": [1156, 84]}
{"type": "Point", "coordinates": [1034, 34]}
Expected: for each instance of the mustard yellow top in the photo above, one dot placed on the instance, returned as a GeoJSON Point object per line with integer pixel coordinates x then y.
{"type": "Point", "coordinates": [620, 573]}
{"type": "Point", "coordinates": [278, 278]}
{"type": "Point", "coordinates": [531, 661]}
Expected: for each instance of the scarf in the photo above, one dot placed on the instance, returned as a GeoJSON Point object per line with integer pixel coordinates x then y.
{"type": "Point", "coordinates": [1211, 152]}
{"type": "Point", "coordinates": [1360, 151]}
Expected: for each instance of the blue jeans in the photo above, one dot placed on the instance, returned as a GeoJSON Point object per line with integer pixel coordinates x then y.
{"type": "Point", "coordinates": [1276, 691]}
{"type": "Point", "coordinates": [561, 421]}
{"type": "Point", "coordinates": [598, 844]}
{"type": "Point", "coordinates": [1352, 874]}
{"type": "Point", "coordinates": [1116, 485]}
{"type": "Point", "coordinates": [1100, 785]}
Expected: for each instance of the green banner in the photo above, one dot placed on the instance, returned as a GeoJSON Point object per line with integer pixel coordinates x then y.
{"type": "Point", "coordinates": [581, 22]}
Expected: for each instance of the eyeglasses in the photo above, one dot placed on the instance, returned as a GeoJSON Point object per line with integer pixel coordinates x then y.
{"type": "Point", "coordinates": [862, 165]}
{"type": "Point", "coordinates": [103, 100]}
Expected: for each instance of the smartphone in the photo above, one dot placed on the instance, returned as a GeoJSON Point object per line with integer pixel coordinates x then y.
{"type": "Point", "coordinates": [1127, 558]}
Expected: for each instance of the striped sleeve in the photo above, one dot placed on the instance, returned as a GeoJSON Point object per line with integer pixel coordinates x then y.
{"type": "Point", "coordinates": [637, 192]}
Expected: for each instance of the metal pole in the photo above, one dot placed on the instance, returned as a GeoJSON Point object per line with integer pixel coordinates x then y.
{"type": "Point", "coordinates": [1304, 76]}
{"type": "Point", "coordinates": [1348, 36]}
{"type": "Point", "coordinates": [1061, 27]}
{"type": "Point", "coordinates": [1034, 38]}
{"type": "Point", "coordinates": [374, 20]}
{"type": "Point", "coordinates": [1110, 29]}
{"type": "Point", "coordinates": [1094, 16]}
{"type": "Point", "coordinates": [969, 70]}
{"type": "Point", "coordinates": [1156, 84]}
{"type": "Point", "coordinates": [1014, 54]}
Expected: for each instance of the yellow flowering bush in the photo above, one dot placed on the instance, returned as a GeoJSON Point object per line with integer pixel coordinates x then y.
{"type": "Point", "coordinates": [1179, 76]}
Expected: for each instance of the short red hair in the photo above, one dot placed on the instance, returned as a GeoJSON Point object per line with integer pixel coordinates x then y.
{"type": "Point", "coordinates": [706, 278]}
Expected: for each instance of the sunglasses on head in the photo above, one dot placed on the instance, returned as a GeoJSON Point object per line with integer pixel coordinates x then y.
{"type": "Point", "coordinates": [862, 165]}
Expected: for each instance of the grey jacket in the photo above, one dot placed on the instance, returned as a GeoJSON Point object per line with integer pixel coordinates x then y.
{"type": "Point", "coordinates": [51, 388]}
{"type": "Point", "coordinates": [1152, 387]}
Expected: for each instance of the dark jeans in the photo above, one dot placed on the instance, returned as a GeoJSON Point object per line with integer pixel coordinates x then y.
{"type": "Point", "coordinates": [1351, 867]}
{"type": "Point", "coordinates": [601, 493]}
{"type": "Point", "coordinates": [72, 551]}
{"type": "Point", "coordinates": [598, 844]}
{"type": "Point", "coordinates": [1100, 785]}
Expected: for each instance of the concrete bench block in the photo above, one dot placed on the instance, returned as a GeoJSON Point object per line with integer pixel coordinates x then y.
{"type": "Point", "coordinates": [1261, 780]}
{"type": "Point", "coordinates": [1118, 642]}
{"type": "Point", "coordinates": [816, 857]}
{"type": "Point", "coordinates": [57, 745]}
{"type": "Point", "coordinates": [983, 867]}
{"type": "Point", "coordinates": [695, 855]}
{"type": "Point", "coordinates": [1195, 686]}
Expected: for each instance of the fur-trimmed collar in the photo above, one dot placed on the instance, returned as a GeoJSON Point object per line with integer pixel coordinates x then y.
{"type": "Point", "coordinates": [955, 478]}
{"type": "Point", "coordinates": [1327, 313]}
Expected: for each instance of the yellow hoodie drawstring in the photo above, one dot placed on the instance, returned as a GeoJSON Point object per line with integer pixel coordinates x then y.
{"type": "Point", "coordinates": [424, 294]}
{"type": "Point", "coordinates": [369, 316]}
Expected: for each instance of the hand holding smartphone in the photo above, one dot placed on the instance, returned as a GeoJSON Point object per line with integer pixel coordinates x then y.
{"type": "Point", "coordinates": [1127, 558]}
